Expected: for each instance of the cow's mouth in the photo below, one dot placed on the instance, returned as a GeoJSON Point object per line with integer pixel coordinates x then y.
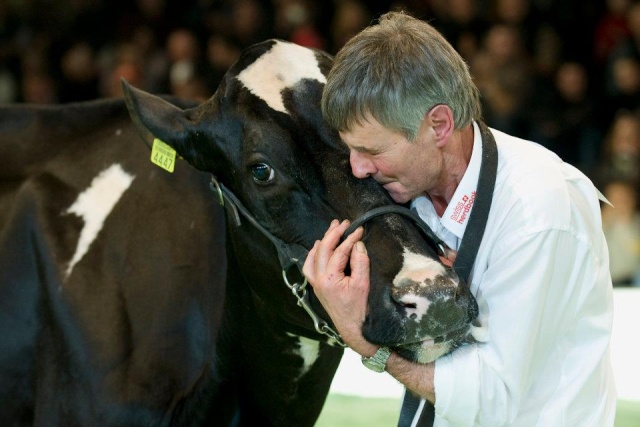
{"type": "Point", "coordinates": [428, 350]}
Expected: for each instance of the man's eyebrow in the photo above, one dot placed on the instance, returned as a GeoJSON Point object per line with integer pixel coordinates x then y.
{"type": "Point", "coordinates": [361, 149]}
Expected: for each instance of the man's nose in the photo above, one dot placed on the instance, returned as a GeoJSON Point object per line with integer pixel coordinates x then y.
{"type": "Point", "coordinates": [361, 166]}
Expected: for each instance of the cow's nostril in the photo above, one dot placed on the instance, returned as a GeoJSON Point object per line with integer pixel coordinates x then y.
{"type": "Point", "coordinates": [404, 300]}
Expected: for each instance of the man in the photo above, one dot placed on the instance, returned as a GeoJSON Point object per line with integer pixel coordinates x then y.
{"type": "Point", "coordinates": [405, 105]}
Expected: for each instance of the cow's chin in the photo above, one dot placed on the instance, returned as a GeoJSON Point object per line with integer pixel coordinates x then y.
{"type": "Point", "coordinates": [426, 351]}
{"type": "Point", "coordinates": [430, 349]}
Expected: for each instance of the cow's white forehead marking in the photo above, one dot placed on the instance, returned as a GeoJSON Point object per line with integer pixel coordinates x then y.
{"type": "Point", "coordinates": [308, 350]}
{"type": "Point", "coordinates": [94, 205]}
{"type": "Point", "coordinates": [281, 67]}
{"type": "Point", "coordinates": [417, 268]}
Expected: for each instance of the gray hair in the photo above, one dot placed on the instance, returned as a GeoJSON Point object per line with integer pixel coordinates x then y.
{"type": "Point", "coordinates": [397, 71]}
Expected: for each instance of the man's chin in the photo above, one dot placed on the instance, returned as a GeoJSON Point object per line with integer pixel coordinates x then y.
{"type": "Point", "coordinates": [400, 198]}
{"type": "Point", "coordinates": [396, 196]}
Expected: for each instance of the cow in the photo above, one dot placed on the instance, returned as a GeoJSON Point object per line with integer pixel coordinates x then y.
{"type": "Point", "coordinates": [106, 315]}
{"type": "Point", "coordinates": [127, 297]}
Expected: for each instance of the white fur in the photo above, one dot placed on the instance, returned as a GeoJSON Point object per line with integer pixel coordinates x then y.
{"type": "Point", "coordinates": [94, 205]}
{"type": "Point", "coordinates": [421, 306]}
{"type": "Point", "coordinates": [430, 351]}
{"type": "Point", "coordinates": [417, 268]}
{"type": "Point", "coordinates": [282, 67]}
{"type": "Point", "coordinates": [308, 350]}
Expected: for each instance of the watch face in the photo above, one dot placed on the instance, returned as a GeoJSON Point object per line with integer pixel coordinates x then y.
{"type": "Point", "coordinates": [374, 365]}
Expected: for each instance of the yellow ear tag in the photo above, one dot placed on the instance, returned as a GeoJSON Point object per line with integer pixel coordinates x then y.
{"type": "Point", "coordinates": [163, 155]}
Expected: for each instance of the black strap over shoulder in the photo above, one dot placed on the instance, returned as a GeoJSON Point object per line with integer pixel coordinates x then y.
{"type": "Point", "coordinates": [465, 258]}
{"type": "Point", "coordinates": [484, 194]}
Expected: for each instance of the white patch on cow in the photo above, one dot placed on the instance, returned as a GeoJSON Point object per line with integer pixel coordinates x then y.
{"type": "Point", "coordinates": [281, 67]}
{"type": "Point", "coordinates": [480, 332]}
{"type": "Point", "coordinates": [417, 268]}
{"type": "Point", "coordinates": [308, 350]}
{"type": "Point", "coordinates": [417, 306]}
{"type": "Point", "coordinates": [94, 205]}
{"type": "Point", "coordinates": [429, 351]}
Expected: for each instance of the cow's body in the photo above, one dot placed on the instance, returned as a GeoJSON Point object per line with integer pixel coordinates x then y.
{"type": "Point", "coordinates": [130, 331]}
{"type": "Point", "coordinates": [127, 334]}
{"type": "Point", "coordinates": [133, 314]}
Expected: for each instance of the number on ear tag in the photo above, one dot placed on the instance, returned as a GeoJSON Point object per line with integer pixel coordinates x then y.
{"type": "Point", "coordinates": [163, 155]}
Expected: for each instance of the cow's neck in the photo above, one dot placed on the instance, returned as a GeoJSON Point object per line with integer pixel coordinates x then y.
{"type": "Point", "coordinates": [294, 373]}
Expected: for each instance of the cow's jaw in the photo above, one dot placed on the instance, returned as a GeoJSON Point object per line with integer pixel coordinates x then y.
{"type": "Point", "coordinates": [434, 322]}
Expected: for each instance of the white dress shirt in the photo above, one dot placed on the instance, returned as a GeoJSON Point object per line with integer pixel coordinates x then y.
{"type": "Point", "coordinates": [541, 278]}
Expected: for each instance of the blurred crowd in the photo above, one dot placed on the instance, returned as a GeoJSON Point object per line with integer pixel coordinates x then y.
{"type": "Point", "coordinates": [565, 74]}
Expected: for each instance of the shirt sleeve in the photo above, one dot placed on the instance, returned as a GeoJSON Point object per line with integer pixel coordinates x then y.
{"type": "Point", "coordinates": [534, 288]}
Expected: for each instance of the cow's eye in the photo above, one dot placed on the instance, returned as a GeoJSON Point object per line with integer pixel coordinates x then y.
{"type": "Point", "coordinates": [262, 173]}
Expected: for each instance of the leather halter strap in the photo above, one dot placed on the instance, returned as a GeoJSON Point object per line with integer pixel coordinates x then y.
{"type": "Point", "coordinates": [289, 255]}
{"type": "Point", "coordinates": [434, 241]}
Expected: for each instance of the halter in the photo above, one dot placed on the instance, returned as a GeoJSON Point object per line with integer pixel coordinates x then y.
{"type": "Point", "coordinates": [289, 255]}
{"type": "Point", "coordinates": [292, 254]}
{"type": "Point", "coordinates": [434, 241]}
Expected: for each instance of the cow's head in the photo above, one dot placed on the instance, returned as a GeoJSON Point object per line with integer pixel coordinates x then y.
{"type": "Point", "coordinates": [263, 136]}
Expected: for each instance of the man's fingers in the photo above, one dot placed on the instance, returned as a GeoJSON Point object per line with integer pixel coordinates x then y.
{"type": "Point", "coordinates": [308, 269]}
{"type": "Point", "coordinates": [359, 263]}
{"type": "Point", "coordinates": [328, 244]}
{"type": "Point", "coordinates": [338, 260]}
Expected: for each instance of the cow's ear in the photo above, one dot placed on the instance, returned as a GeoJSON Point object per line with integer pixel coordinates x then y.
{"type": "Point", "coordinates": [154, 117]}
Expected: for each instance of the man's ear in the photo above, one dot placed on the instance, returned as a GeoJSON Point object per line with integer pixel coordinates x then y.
{"type": "Point", "coordinates": [441, 119]}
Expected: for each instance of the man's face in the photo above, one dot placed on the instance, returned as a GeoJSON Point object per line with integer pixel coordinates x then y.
{"type": "Point", "coordinates": [406, 169]}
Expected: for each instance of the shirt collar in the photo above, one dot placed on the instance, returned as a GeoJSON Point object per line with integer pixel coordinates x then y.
{"type": "Point", "coordinates": [456, 216]}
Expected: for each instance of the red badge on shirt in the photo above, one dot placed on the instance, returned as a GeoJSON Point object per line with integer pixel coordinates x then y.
{"type": "Point", "coordinates": [461, 211]}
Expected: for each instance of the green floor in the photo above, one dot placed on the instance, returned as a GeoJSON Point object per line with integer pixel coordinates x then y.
{"type": "Point", "coordinates": [352, 411]}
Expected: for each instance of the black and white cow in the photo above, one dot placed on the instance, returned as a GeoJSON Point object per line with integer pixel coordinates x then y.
{"type": "Point", "coordinates": [112, 277]}
{"type": "Point", "coordinates": [112, 270]}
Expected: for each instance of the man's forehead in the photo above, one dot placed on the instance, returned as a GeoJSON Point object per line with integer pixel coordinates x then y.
{"type": "Point", "coordinates": [368, 135]}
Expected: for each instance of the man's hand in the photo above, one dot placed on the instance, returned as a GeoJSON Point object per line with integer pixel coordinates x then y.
{"type": "Point", "coordinates": [343, 297]}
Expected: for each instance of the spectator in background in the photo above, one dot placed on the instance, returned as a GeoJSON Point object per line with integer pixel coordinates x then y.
{"type": "Point", "coordinates": [566, 122]}
{"type": "Point", "coordinates": [519, 15]}
{"type": "Point", "coordinates": [611, 29]}
{"type": "Point", "coordinates": [152, 59]}
{"type": "Point", "coordinates": [295, 21]}
{"type": "Point", "coordinates": [503, 73]}
{"type": "Point", "coordinates": [621, 151]}
{"type": "Point", "coordinates": [621, 226]}
{"type": "Point", "coordinates": [628, 45]}
{"type": "Point", "coordinates": [9, 54]}
{"type": "Point", "coordinates": [79, 74]}
{"type": "Point", "coordinates": [350, 17]}
{"type": "Point", "coordinates": [183, 53]}
{"type": "Point", "coordinates": [462, 25]}
{"type": "Point", "coordinates": [624, 93]}
{"type": "Point", "coordinates": [221, 54]}
{"type": "Point", "coordinates": [126, 62]}
{"type": "Point", "coordinates": [38, 88]}
{"type": "Point", "coordinates": [249, 22]}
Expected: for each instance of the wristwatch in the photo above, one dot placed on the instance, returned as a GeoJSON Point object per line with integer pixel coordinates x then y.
{"type": "Point", "coordinates": [377, 362]}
